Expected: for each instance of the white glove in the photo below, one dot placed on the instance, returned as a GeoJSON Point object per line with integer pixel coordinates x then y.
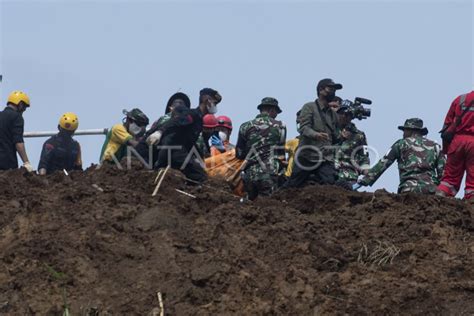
{"type": "Point", "coordinates": [154, 138]}
{"type": "Point", "coordinates": [28, 166]}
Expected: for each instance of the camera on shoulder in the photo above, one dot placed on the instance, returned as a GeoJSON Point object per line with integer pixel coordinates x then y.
{"type": "Point", "coordinates": [356, 108]}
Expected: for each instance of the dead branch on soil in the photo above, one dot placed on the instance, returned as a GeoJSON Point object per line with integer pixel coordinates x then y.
{"type": "Point", "coordinates": [162, 174]}
{"type": "Point", "coordinates": [161, 311]}
{"type": "Point", "coordinates": [185, 193]}
{"type": "Point", "coordinates": [162, 308]}
{"type": "Point", "coordinates": [95, 186]}
{"type": "Point", "coordinates": [383, 253]}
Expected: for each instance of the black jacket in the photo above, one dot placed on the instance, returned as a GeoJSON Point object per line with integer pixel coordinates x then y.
{"type": "Point", "coordinates": [60, 152]}
{"type": "Point", "coordinates": [11, 133]}
{"type": "Point", "coordinates": [183, 129]}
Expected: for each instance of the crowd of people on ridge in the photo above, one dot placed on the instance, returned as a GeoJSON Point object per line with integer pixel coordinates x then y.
{"type": "Point", "coordinates": [329, 150]}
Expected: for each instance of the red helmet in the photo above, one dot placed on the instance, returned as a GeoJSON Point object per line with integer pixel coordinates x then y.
{"type": "Point", "coordinates": [224, 121]}
{"type": "Point", "coordinates": [209, 121]}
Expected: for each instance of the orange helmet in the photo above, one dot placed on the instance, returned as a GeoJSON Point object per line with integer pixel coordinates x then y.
{"type": "Point", "coordinates": [224, 121]}
{"type": "Point", "coordinates": [209, 121]}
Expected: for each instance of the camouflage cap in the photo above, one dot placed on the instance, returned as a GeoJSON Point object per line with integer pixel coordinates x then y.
{"type": "Point", "coordinates": [270, 101]}
{"type": "Point", "coordinates": [414, 124]}
{"type": "Point", "coordinates": [138, 116]}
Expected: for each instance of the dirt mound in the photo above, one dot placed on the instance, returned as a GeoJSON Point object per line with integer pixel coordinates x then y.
{"type": "Point", "coordinates": [100, 241]}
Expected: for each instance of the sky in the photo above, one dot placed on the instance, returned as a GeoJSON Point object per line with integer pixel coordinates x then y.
{"type": "Point", "coordinates": [95, 58]}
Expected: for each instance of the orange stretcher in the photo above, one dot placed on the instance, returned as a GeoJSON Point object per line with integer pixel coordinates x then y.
{"type": "Point", "coordinates": [227, 167]}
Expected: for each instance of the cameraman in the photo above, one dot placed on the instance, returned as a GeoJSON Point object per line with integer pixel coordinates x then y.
{"type": "Point", "coordinates": [351, 157]}
{"type": "Point", "coordinates": [318, 134]}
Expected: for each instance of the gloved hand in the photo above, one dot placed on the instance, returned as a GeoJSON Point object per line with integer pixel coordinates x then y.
{"type": "Point", "coordinates": [28, 166]}
{"type": "Point", "coordinates": [217, 142]}
{"type": "Point", "coordinates": [363, 181]}
{"type": "Point", "coordinates": [154, 138]}
{"type": "Point", "coordinates": [356, 186]}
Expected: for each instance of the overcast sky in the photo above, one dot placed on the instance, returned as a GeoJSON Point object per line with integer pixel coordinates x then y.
{"type": "Point", "coordinates": [95, 58]}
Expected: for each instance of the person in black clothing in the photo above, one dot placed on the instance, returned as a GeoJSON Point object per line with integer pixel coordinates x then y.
{"type": "Point", "coordinates": [62, 152]}
{"type": "Point", "coordinates": [182, 131]}
{"type": "Point", "coordinates": [11, 132]}
{"type": "Point", "coordinates": [147, 152]}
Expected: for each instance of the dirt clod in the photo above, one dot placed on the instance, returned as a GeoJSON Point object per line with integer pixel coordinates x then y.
{"type": "Point", "coordinates": [317, 250]}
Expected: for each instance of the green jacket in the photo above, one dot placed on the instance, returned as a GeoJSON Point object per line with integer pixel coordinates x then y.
{"type": "Point", "coordinates": [313, 120]}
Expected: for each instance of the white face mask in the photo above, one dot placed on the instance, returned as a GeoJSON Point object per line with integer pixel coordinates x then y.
{"type": "Point", "coordinates": [222, 136]}
{"type": "Point", "coordinates": [212, 108]}
{"type": "Point", "coordinates": [134, 129]}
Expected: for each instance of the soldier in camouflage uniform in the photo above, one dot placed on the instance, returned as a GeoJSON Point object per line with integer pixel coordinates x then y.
{"type": "Point", "coordinates": [420, 160]}
{"type": "Point", "coordinates": [261, 143]}
{"type": "Point", "coordinates": [209, 124]}
{"type": "Point", "coordinates": [351, 155]}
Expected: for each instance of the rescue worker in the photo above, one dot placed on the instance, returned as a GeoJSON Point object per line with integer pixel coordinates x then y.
{"type": "Point", "coordinates": [221, 139]}
{"type": "Point", "coordinates": [11, 132]}
{"type": "Point", "coordinates": [183, 130]}
{"type": "Point", "coordinates": [420, 160]}
{"type": "Point", "coordinates": [209, 124]}
{"type": "Point", "coordinates": [460, 149]}
{"type": "Point", "coordinates": [319, 134]}
{"type": "Point", "coordinates": [61, 151]}
{"type": "Point", "coordinates": [351, 155]}
{"type": "Point", "coordinates": [261, 144]}
{"type": "Point", "coordinates": [177, 99]}
{"type": "Point", "coordinates": [122, 135]}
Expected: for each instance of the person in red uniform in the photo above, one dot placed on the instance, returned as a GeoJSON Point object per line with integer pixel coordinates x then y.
{"type": "Point", "coordinates": [460, 150]}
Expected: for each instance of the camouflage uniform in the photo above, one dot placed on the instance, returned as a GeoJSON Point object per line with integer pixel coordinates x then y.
{"type": "Point", "coordinates": [202, 147]}
{"type": "Point", "coordinates": [261, 142]}
{"type": "Point", "coordinates": [160, 122]}
{"type": "Point", "coordinates": [351, 156]}
{"type": "Point", "coordinates": [420, 162]}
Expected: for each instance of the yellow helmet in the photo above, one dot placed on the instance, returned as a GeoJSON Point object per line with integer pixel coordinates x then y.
{"type": "Point", "coordinates": [18, 96]}
{"type": "Point", "coordinates": [69, 121]}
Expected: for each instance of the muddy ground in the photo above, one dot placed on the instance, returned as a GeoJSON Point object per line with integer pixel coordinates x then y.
{"type": "Point", "coordinates": [101, 242]}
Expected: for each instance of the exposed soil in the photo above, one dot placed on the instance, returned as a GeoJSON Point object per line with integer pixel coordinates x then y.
{"type": "Point", "coordinates": [319, 250]}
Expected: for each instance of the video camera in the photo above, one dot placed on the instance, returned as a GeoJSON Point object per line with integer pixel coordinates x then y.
{"type": "Point", "coordinates": [356, 108]}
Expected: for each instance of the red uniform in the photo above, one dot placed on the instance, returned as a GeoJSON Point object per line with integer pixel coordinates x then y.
{"type": "Point", "coordinates": [461, 150]}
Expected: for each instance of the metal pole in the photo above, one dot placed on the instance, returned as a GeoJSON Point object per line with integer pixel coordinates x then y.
{"type": "Point", "coordinates": [101, 131]}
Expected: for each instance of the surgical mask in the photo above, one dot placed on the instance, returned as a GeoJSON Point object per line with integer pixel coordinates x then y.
{"type": "Point", "coordinates": [134, 129]}
{"type": "Point", "coordinates": [222, 136]}
{"type": "Point", "coordinates": [212, 108]}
